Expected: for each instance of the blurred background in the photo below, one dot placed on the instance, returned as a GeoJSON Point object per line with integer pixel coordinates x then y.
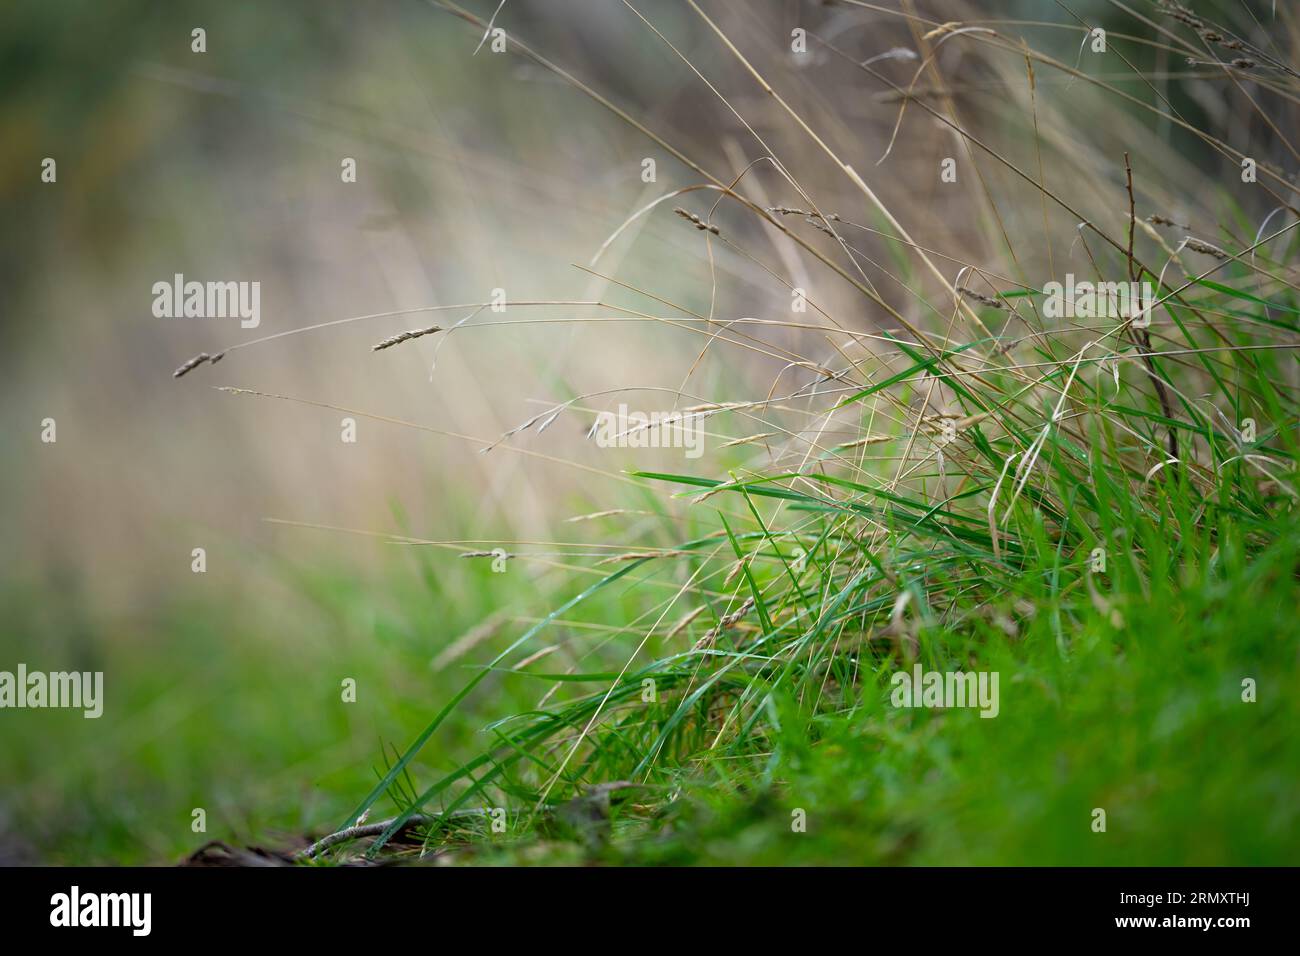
{"type": "Point", "coordinates": [474, 171]}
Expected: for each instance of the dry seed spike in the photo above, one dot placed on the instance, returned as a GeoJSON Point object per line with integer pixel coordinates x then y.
{"type": "Point", "coordinates": [198, 360]}
{"type": "Point", "coordinates": [401, 337]}
{"type": "Point", "coordinates": [696, 220]}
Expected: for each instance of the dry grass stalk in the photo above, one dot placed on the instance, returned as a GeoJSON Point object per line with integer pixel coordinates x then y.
{"type": "Point", "coordinates": [728, 621]}
{"type": "Point", "coordinates": [869, 440]}
{"type": "Point", "coordinates": [640, 555]}
{"type": "Point", "coordinates": [610, 513]}
{"type": "Point", "coordinates": [401, 337]}
{"type": "Point", "coordinates": [982, 299]}
{"type": "Point", "coordinates": [1199, 245]}
{"type": "Point", "coordinates": [198, 360]}
{"type": "Point", "coordinates": [748, 439]}
{"type": "Point", "coordinates": [1157, 220]}
{"type": "Point", "coordinates": [696, 220]}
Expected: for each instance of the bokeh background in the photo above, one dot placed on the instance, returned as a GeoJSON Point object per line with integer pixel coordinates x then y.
{"type": "Point", "coordinates": [475, 171]}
